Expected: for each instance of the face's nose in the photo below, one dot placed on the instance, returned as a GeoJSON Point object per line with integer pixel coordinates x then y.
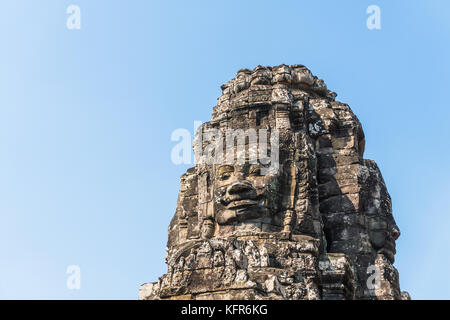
{"type": "Point", "coordinates": [395, 232]}
{"type": "Point", "coordinates": [239, 187]}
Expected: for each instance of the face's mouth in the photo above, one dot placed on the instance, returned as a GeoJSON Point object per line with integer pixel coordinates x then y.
{"type": "Point", "coordinates": [389, 250]}
{"type": "Point", "coordinates": [241, 204]}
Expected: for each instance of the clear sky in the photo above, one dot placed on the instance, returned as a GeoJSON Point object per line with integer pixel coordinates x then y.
{"type": "Point", "coordinates": [86, 117]}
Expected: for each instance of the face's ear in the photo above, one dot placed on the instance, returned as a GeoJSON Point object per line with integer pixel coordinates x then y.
{"type": "Point", "coordinates": [205, 193]}
{"type": "Point", "coordinates": [286, 185]}
{"type": "Point", "coordinates": [183, 223]}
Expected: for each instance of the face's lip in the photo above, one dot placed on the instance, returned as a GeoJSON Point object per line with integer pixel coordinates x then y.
{"type": "Point", "coordinates": [231, 199]}
{"type": "Point", "coordinates": [239, 204]}
{"type": "Point", "coordinates": [389, 250]}
{"type": "Point", "coordinates": [390, 245]}
{"type": "Point", "coordinates": [390, 255]}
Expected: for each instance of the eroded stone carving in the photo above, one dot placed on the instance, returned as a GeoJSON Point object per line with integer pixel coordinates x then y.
{"type": "Point", "coordinates": [308, 228]}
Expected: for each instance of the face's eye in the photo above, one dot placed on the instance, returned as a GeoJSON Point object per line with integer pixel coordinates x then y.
{"type": "Point", "coordinates": [224, 172]}
{"type": "Point", "coordinates": [224, 176]}
{"type": "Point", "coordinates": [255, 171]}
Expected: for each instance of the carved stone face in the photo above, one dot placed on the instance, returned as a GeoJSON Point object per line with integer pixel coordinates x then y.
{"type": "Point", "coordinates": [242, 193]}
{"type": "Point", "coordinates": [383, 231]}
{"type": "Point", "coordinates": [261, 76]}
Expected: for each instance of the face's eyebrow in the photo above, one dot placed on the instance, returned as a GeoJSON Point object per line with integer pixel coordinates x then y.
{"type": "Point", "coordinates": [255, 165]}
{"type": "Point", "coordinates": [258, 165]}
{"type": "Point", "coordinates": [225, 168]}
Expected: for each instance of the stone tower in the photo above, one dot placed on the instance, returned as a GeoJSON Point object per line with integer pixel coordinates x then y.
{"type": "Point", "coordinates": [292, 210]}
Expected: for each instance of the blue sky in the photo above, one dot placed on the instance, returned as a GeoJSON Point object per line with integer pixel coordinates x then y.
{"type": "Point", "coordinates": [86, 117]}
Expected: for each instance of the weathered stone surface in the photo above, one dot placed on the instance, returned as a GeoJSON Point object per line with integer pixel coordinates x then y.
{"type": "Point", "coordinates": [313, 228]}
